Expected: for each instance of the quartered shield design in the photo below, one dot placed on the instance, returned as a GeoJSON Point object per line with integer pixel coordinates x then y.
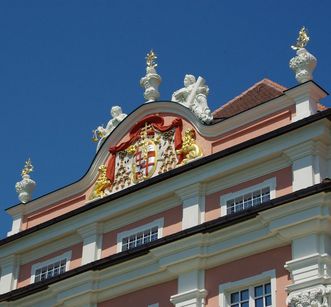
{"type": "Point", "coordinates": [145, 161]}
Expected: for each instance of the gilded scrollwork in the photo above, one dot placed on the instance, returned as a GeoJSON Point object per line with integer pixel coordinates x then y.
{"type": "Point", "coordinates": [190, 150]}
{"type": "Point", "coordinates": [101, 184]}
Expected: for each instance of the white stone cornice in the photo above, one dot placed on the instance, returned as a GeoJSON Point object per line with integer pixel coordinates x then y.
{"type": "Point", "coordinates": [197, 295]}
{"type": "Point", "coordinates": [193, 190]}
{"type": "Point", "coordinates": [308, 88]}
{"type": "Point", "coordinates": [89, 230]}
{"type": "Point", "coordinates": [300, 150]}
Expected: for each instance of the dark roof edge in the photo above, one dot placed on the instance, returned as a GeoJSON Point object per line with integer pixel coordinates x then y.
{"type": "Point", "coordinates": [173, 172]}
{"type": "Point", "coordinates": [312, 81]}
{"type": "Point", "coordinates": [207, 227]}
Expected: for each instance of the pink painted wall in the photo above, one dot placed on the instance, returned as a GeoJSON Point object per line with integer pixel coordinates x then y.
{"type": "Point", "coordinates": [247, 267]}
{"type": "Point", "coordinates": [252, 130]}
{"type": "Point", "coordinates": [283, 187]}
{"type": "Point", "coordinates": [142, 298]}
{"type": "Point", "coordinates": [172, 224]}
{"type": "Point", "coordinates": [52, 211]}
{"type": "Point", "coordinates": [25, 269]}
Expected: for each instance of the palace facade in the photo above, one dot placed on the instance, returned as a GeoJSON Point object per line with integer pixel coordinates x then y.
{"type": "Point", "coordinates": [186, 207]}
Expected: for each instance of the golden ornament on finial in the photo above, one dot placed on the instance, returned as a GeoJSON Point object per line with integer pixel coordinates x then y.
{"type": "Point", "coordinates": [302, 39]}
{"type": "Point", "coordinates": [28, 168]}
{"type": "Point", "coordinates": [150, 59]}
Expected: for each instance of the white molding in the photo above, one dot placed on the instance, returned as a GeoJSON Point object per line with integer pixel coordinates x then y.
{"type": "Point", "coordinates": [147, 211]}
{"type": "Point", "coordinates": [153, 305]}
{"type": "Point", "coordinates": [269, 183]}
{"type": "Point", "coordinates": [159, 223]}
{"type": "Point", "coordinates": [36, 266]}
{"type": "Point", "coordinates": [226, 288]}
{"type": "Point", "coordinates": [247, 174]}
{"type": "Point", "coordinates": [49, 248]}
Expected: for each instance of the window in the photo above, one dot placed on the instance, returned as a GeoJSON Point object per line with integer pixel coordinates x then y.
{"type": "Point", "coordinates": [258, 296]}
{"type": "Point", "coordinates": [50, 268]}
{"type": "Point", "coordinates": [140, 235]}
{"type": "Point", "coordinates": [256, 291]}
{"type": "Point", "coordinates": [246, 198]}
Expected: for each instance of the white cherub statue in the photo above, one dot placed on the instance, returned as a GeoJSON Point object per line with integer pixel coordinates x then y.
{"type": "Point", "coordinates": [100, 134]}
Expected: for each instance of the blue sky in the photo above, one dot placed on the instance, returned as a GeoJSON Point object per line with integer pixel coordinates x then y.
{"type": "Point", "coordinates": [63, 64]}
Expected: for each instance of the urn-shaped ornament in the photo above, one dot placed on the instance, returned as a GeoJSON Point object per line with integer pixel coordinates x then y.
{"type": "Point", "coordinates": [303, 65]}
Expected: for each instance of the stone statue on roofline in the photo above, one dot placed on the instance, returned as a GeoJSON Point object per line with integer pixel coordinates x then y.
{"type": "Point", "coordinates": [194, 97]}
{"type": "Point", "coordinates": [304, 63]}
{"type": "Point", "coordinates": [101, 133]}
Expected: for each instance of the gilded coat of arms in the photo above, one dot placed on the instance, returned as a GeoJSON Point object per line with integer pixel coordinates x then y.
{"type": "Point", "coordinates": [153, 148]}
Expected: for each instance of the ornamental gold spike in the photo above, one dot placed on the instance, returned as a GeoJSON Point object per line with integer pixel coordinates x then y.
{"type": "Point", "coordinates": [302, 39]}
{"type": "Point", "coordinates": [28, 168]}
{"type": "Point", "coordinates": [150, 59]}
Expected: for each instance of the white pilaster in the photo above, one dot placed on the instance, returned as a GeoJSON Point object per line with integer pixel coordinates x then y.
{"type": "Point", "coordinates": [91, 235]}
{"type": "Point", "coordinates": [310, 270]}
{"type": "Point", "coordinates": [17, 215]}
{"type": "Point", "coordinates": [16, 225]}
{"type": "Point", "coordinates": [191, 290]}
{"type": "Point", "coordinates": [9, 272]}
{"type": "Point", "coordinates": [193, 202]}
{"type": "Point", "coordinates": [306, 97]}
{"type": "Point", "coordinates": [308, 164]}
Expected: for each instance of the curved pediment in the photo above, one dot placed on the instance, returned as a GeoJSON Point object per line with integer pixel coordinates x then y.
{"type": "Point", "coordinates": [161, 136]}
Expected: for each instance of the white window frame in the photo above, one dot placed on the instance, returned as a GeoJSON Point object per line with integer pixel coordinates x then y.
{"type": "Point", "coordinates": [39, 265]}
{"type": "Point", "coordinates": [227, 288]}
{"type": "Point", "coordinates": [269, 183]}
{"type": "Point", "coordinates": [120, 236]}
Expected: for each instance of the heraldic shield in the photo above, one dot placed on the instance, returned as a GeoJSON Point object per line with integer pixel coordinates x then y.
{"type": "Point", "coordinates": [145, 160]}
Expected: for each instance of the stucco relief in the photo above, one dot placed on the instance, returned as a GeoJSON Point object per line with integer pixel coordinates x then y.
{"type": "Point", "coordinates": [152, 149]}
{"type": "Point", "coordinates": [315, 297]}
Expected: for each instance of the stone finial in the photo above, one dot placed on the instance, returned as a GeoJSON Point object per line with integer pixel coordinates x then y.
{"type": "Point", "coordinates": [25, 187]}
{"type": "Point", "coordinates": [152, 80]}
{"type": "Point", "coordinates": [304, 63]}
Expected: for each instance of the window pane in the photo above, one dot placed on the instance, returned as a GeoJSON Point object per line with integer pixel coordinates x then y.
{"type": "Point", "coordinates": [234, 297]}
{"type": "Point", "coordinates": [259, 302]}
{"type": "Point", "coordinates": [267, 288]}
{"type": "Point", "coordinates": [244, 296]}
{"type": "Point", "coordinates": [268, 300]}
{"type": "Point", "coordinates": [245, 304]}
{"type": "Point", "coordinates": [258, 291]}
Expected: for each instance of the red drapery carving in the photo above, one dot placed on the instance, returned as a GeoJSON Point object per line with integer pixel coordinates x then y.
{"type": "Point", "coordinates": [157, 123]}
